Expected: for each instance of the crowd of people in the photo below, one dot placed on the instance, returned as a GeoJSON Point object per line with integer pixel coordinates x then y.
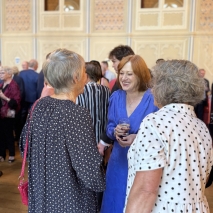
{"type": "Point", "coordinates": [161, 156]}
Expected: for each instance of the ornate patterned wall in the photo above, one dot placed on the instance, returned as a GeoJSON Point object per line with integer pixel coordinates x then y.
{"type": "Point", "coordinates": [206, 15]}
{"type": "Point", "coordinates": [17, 15]}
{"type": "Point", "coordinates": [109, 15]}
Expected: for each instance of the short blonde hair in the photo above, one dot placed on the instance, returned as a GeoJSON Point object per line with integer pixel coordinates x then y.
{"type": "Point", "coordinates": [15, 70]}
{"type": "Point", "coordinates": [7, 69]}
{"type": "Point", "coordinates": [177, 81]}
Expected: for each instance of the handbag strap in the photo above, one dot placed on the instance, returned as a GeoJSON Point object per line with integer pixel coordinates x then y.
{"type": "Point", "coordinates": [26, 144]}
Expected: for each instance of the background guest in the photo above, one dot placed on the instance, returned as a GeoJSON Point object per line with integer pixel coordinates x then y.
{"type": "Point", "coordinates": [25, 65]}
{"type": "Point", "coordinates": [170, 159]}
{"type": "Point", "coordinates": [9, 105]}
{"type": "Point", "coordinates": [115, 56]}
{"type": "Point", "coordinates": [95, 98]}
{"type": "Point", "coordinates": [133, 102]}
{"type": "Point", "coordinates": [64, 164]}
{"type": "Point", "coordinates": [103, 81]}
{"type": "Point", "coordinates": [106, 72]}
{"type": "Point", "coordinates": [18, 122]}
{"type": "Point", "coordinates": [199, 108]}
{"type": "Point", "coordinates": [30, 78]}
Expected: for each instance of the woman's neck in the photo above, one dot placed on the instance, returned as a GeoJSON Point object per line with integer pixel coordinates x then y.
{"type": "Point", "coordinates": [65, 96]}
{"type": "Point", "coordinates": [7, 82]}
{"type": "Point", "coordinates": [134, 94]}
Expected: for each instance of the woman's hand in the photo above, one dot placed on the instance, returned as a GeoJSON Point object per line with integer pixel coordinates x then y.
{"type": "Point", "coordinates": [101, 148]}
{"type": "Point", "coordinates": [2, 96]}
{"type": "Point", "coordinates": [126, 141]}
{"type": "Point", "coordinates": [120, 131]}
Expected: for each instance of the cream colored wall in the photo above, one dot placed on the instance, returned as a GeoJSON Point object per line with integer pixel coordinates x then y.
{"type": "Point", "coordinates": [27, 31]}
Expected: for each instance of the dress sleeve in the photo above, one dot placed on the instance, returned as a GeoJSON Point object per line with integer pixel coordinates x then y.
{"type": "Point", "coordinates": [149, 150]}
{"type": "Point", "coordinates": [85, 158]}
{"type": "Point", "coordinates": [111, 117]}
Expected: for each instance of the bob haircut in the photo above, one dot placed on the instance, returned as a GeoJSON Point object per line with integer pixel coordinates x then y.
{"type": "Point", "coordinates": [139, 68]}
{"type": "Point", "coordinates": [177, 81]}
{"type": "Point", "coordinates": [60, 68]}
{"type": "Point", "coordinates": [93, 71]}
{"type": "Point", "coordinates": [6, 69]}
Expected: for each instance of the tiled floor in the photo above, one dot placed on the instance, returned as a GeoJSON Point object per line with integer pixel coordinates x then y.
{"type": "Point", "coordinates": [9, 195]}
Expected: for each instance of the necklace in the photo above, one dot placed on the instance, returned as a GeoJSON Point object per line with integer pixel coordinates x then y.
{"type": "Point", "coordinates": [136, 100]}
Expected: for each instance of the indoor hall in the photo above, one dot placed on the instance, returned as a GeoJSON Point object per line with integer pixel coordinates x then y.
{"type": "Point", "coordinates": [169, 29]}
{"type": "Point", "coordinates": [10, 200]}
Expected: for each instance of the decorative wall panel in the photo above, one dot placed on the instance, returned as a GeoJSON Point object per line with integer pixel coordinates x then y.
{"type": "Point", "coordinates": [47, 45]}
{"type": "Point", "coordinates": [13, 47]}
{"type": "Point", "coordinates": [100, 47]}
{"type": "Point", "coordinates": [149, 19]}
{"type": "Point", "coordinates": [109, 15]}
{"type": "Point", "coordinates": [173, 19]}
{"type": "Point", "coordinates": [72, 21]}
{"type": "Point", "coordinates": [17, 16]}
{"type": "Point", "coordinates": [203, 54]}
{"type": "Point", "coordinates": [155, 48]}
{"type": "Point", "coordinates": [51, 21]}
{"type": "Point", "coordinates": [61, 20]}
{"type": "Point", "coordinates": [160, 18]}
{"type": "Point", "coordinates": [205, 15]}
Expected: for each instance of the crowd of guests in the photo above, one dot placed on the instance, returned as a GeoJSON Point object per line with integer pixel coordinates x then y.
{"type": "Point", "coordinates": [161, 157]}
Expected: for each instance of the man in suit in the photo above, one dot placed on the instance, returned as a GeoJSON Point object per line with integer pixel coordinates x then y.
{"type": "Point", "coordinates": [30, 78]}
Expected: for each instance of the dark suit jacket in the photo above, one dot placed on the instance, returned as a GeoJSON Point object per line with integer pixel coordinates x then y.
{"type": "Point", "coordinates": [20, 83]}
{"type": "Point", "coordinates": [40, 84]}
{"type": "Point", "coordinates": [30, 78]}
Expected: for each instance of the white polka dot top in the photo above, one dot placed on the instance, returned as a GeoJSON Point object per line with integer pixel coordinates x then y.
{"type": "Point", "coordinates": [176, 140]}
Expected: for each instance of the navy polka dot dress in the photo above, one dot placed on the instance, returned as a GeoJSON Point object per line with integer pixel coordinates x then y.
{"type": "Point", "coordinates": [64, 164]}
{"type": "Point", "coordinates": [177, 141]}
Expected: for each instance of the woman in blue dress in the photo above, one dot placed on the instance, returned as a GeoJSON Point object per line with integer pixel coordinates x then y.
{"type": "Point", "coordinates": [133, 102]}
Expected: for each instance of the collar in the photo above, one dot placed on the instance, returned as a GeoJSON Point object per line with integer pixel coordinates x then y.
{"type": "Point", "coordinates": [180, 108]}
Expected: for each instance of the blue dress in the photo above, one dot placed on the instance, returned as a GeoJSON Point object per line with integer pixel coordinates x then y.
{"type": "Point", "coordinates": [117, 169]}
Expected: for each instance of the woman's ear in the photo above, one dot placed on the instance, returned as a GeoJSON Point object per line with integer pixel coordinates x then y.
{"type": "Point", "coordinates": [75, 79]}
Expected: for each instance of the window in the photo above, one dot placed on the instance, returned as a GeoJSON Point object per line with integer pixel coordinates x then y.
{"type": "Point", "coordinates": [67, 5]}
{"type": "Point", "coordinates": [173, 3]}
{"type": "Point", "coordinates": [166, 3]}
{"type": "Point", "coordinates": [149, 3]}
{"type": "Point", "coordinates": [51, 5]}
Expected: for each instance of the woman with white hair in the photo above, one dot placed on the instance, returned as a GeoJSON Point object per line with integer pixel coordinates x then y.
{"type": "Point", "coordinates": [9, 105]}
{"type": "Point", "coordinates": [64, 164]}
{"type": "Point", "coordinates": [170, 159]}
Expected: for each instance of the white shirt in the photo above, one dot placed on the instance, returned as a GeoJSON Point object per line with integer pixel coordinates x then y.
{"type": "Point", "coordinates": [177, 141]}
{"type": "Point", "coordinates": [110, 75]}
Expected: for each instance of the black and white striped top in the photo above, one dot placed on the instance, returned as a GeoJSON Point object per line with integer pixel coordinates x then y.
{"type": "Point", "coordinates": [96, 99]}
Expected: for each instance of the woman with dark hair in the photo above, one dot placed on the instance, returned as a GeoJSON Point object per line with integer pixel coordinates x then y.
{"type": "Point", "coordinates": [102, 81]}
{"type": "Point", "coordinates": [65, 168]}
{"type": "Point", "coordinates": [133, 102]}
{"type": "Point", "coordinates": [95, 98]}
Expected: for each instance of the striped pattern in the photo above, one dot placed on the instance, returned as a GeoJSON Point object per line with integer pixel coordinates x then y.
{"type": "Point", "coordinates": [96, 99]}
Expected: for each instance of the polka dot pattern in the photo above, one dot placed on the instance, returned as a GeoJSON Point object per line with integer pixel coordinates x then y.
{"type": "Point", "coordinates": [64, 164]}
{"type": "Point", "coordinates": [175, 139]}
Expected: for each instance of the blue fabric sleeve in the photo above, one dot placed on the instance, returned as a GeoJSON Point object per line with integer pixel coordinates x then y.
{"type": "Point", "coordinates": [112, 116]}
